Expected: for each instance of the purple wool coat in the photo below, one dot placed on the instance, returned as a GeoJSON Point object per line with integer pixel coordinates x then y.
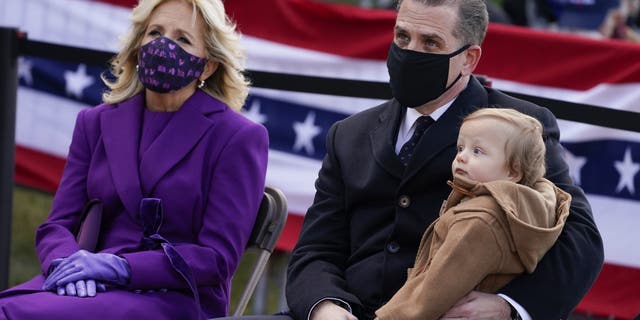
{"type": "Point", "coordinates": [208, 166]}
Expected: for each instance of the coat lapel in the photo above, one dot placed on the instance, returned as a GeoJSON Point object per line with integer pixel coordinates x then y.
{"type": "Point", "coordinates": [182, 133]}
{"type": "Point", "coordinates": [120, 134]}
{"type": "Point", "coordinates": [444, 132]}
{"type": "Point", "coordinates": [383, 139]}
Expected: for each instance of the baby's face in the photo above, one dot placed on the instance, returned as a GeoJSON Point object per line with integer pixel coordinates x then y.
{"type": "Point", "coordinates": [481, 151]}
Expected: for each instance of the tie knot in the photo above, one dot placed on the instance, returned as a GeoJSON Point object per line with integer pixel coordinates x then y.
{"type": "Point", "coordinates": [423, 123]}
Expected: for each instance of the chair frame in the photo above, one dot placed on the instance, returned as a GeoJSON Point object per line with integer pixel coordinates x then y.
{"type": "Point", "coordinates": [269, 224]}
{"type": "Point", "coordinates": [270, 221]}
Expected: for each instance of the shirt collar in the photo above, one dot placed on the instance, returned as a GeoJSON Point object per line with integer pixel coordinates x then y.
{"type": "Point", "coordinates": [412, 115]}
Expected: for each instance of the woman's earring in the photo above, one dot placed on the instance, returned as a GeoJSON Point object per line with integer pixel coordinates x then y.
{"type": "Point", "coordinates": [137, 68]}
{"type": "Point", "coordinates": [201, 84]}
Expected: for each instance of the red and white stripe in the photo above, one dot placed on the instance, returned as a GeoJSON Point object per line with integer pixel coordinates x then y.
{"type": "Point", "coordinates": [306, 37]}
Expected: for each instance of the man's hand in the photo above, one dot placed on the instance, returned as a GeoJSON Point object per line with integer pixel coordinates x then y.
{"type": "Point", "coordinates": [477, 305]}
{"type": "Point", "coordinates": [327, 310]}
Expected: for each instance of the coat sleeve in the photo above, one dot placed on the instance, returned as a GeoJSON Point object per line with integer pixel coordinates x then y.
{"type": "Point", "coordinates": [567, 271]}
{"type": "Point", "coordinates": [235, 191]}
{"type": "Point", "coordinates": [473, 248]}
{"type": "Point", "coordinates": [55, 237]}
{"type": "Point", "coordinates": [318, 261]}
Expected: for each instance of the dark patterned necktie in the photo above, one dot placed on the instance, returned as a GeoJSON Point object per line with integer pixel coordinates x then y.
{"type": "Point", "coordinates": [422, 124]}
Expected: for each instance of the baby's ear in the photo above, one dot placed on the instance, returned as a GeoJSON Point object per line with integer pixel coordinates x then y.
{"type": "Point", "coordinates": [515, 174]}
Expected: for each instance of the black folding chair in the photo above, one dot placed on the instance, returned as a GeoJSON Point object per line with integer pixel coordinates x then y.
{"type": "Point", "coordinates": [270, 221]}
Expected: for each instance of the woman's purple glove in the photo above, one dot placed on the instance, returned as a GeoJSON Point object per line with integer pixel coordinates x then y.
{"type": "Point", "coordinates": [83, 265]}
{"type": "Point", "coordinates": [81, 288]}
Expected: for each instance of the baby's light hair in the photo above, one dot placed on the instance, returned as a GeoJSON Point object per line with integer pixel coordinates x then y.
{"type": "Point", "coordinates": [525, 150]}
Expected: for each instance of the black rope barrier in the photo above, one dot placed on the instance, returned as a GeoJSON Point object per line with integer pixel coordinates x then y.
{"type": "Point", "coordinates": [572, 111]}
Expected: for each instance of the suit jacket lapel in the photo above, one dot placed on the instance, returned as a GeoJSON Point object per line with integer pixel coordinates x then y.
{"type": "Point", "coordinates": [182, 133]}
{"type": "Point", "coordinates": [440, 135]}
{"type": "Point", "coordinates": [120, 134]}
{"type": "Point", "coordinates": [382, 139]}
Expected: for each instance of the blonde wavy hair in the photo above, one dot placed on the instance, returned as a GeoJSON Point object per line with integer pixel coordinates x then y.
{"type": "Point", "coordinates": [525, 149]}
{"type": "Point", "coordinates": [222, 43]}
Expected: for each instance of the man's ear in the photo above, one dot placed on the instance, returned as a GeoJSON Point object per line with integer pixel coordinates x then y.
{"type": "Point", "coordinates": [472, 57]}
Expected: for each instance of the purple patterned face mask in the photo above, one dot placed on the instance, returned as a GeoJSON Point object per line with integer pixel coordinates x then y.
{"type": "Point", "coordinates": [163, 66]}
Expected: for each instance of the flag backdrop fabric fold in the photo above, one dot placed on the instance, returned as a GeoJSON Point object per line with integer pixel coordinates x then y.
{"type": "Point", "coordinates": [311, 38]}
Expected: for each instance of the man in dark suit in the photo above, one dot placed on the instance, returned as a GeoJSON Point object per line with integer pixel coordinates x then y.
{"type": "Point", "coordinates": [384, 177]}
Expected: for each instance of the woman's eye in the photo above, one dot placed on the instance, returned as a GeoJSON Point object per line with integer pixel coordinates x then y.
{"type": "Point", "coordinates": [154, 33]}
{"type": "Point", "coordinates": [184, 40]}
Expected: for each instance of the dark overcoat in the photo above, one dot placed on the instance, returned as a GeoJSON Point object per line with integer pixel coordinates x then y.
{"type": "Point", "coordinates": [363, 230]}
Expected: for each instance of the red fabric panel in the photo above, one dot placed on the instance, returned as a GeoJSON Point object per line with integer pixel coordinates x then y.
{"type": "Point", "coordinates": [123, 3]}
{"type": "Point", "coordinates": [541, 57]}
{"type": "Point", "coordinates": [557, 59]}
{"type": "Point", "coordinates": [337, 29]}
{"type": "Point", "coordinates": [615, 292]}
{"type": "Point", "coordinates": [37, 169]}
{"type": "Point", "coordinates": [291, 231]}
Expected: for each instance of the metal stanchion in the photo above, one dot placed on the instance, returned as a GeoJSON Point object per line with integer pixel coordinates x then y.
{"type": "Point", "coordinates": [8, 87]}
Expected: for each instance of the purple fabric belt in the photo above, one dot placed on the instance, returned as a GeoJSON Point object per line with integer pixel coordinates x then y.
{"type": "Point", "coordinates": [151, 214]}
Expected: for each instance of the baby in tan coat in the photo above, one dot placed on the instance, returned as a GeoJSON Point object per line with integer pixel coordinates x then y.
{"type": "Point", "coordinates": [499, 220]}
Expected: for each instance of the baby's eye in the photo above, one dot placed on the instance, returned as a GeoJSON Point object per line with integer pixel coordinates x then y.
{"type": "Point", "coordinates": [477, 151]}
{"type": "Point", "coordinates": [459, 149]}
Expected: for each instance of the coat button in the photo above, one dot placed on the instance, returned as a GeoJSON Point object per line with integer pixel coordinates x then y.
{"type": "Point", "coordinates": [393, 247]}
{"type": "Point", "coordinates": [404, 201]}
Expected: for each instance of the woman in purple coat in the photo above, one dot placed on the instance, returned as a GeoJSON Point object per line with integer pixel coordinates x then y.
{"type": "Point", "coordinates": [179, 172]}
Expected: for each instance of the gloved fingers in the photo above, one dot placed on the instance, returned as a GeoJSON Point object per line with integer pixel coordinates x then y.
{"type": "Point", "coordinates": [61, 272]}
{"type": "Point", "coordinates": [63, 267]}
{"type": "Point", "coordinates": [61, 291]}
{"type": "Point", "coordinates": [71, 289]}
{"type": "Point", "coordinates": [101, 287]}
{"type": "Point", "coordinates": [91, 288]}
{"type": "Point", "coordinates": [81, 288]}
{"type": "Point", "coordinates": [74, 259]}
{"type": "Point", "coordinates": [72, 277]}
{"type": "Point", "coordinates": [53, 265]}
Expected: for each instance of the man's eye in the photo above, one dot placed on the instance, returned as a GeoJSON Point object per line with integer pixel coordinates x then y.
{"type": "Point", "coordinates": [431, 44]}
{"type": "Point", "coordinates": [401, 39]}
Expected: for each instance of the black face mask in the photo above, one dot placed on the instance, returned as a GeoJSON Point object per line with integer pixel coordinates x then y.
{"type": "Point", "coordinates": [418, 77]}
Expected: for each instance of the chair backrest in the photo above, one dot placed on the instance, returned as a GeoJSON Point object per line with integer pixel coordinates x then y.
{"type": "Point", "coordinates": [89, 229]}
{"type": "Point", "coordinates": [270, 221]}
{"type": "Point", "coordinates": [271, 218]}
